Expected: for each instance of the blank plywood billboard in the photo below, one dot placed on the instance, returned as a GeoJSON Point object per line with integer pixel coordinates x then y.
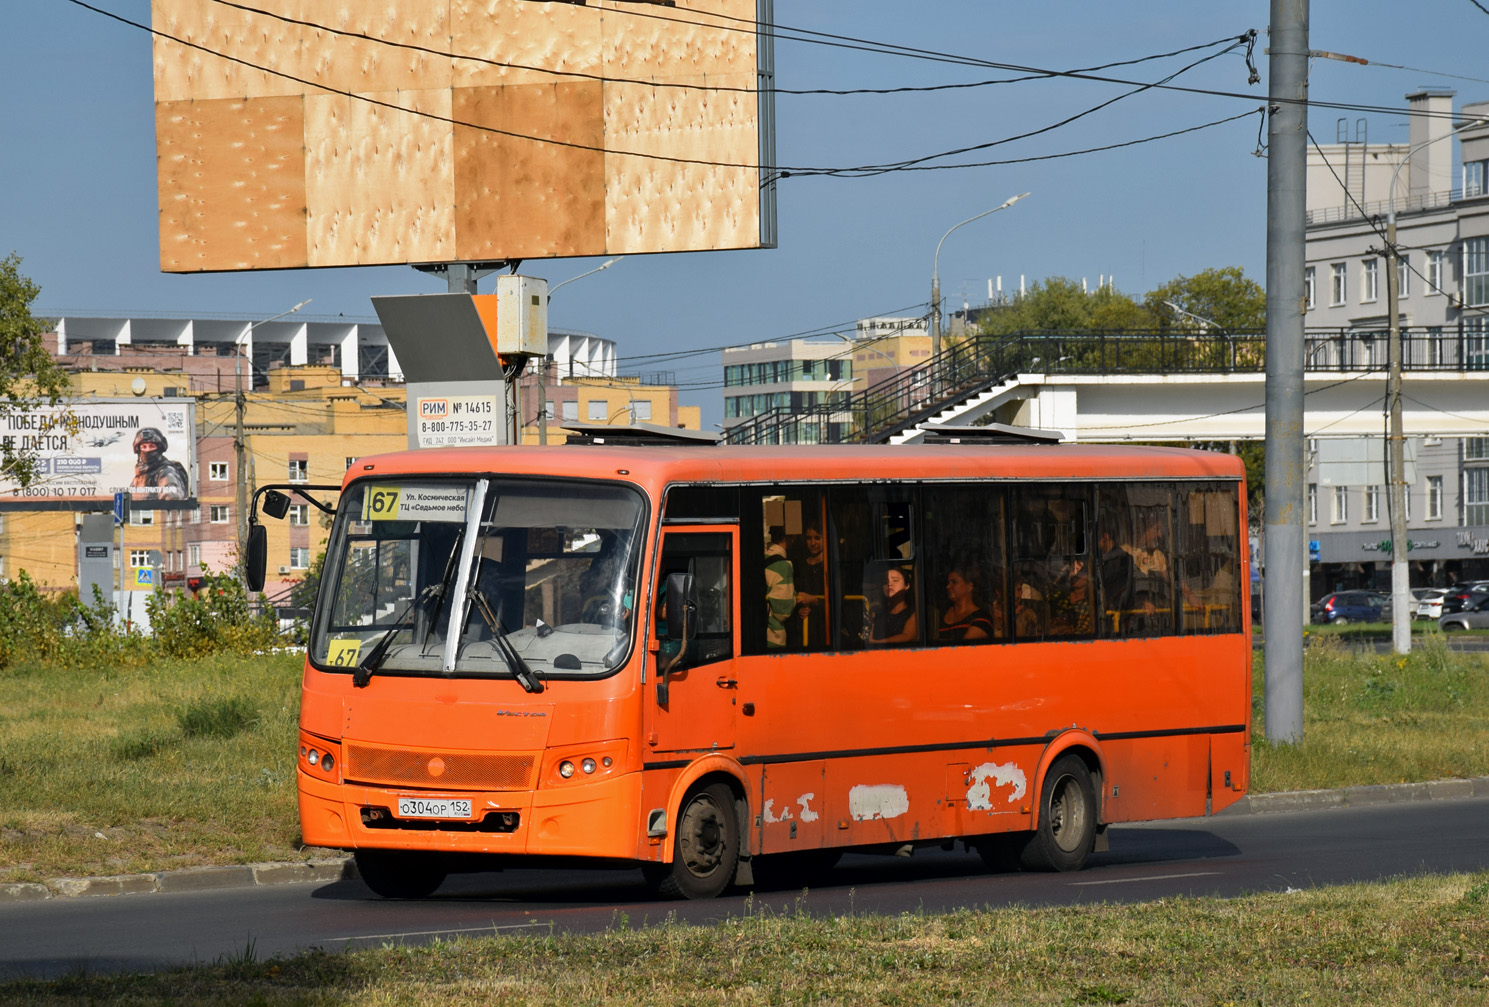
{"type": "Point", "coordinates": [301, 133]}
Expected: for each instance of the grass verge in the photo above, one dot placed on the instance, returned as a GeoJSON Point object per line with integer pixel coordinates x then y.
{"type": "Point", "coordinates": [1372, 718]}
{"type": "Point", "coordinates": [168, 764]}
{"type": "Point", "coordinates": [1421, 941]}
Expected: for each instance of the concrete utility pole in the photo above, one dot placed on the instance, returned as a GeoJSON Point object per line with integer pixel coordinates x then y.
{"type": "Point", "coordinates": [1287, 150]}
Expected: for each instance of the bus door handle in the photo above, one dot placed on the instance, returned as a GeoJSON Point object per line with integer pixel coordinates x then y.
{"type": "Point", "coordinates": [725, 682]}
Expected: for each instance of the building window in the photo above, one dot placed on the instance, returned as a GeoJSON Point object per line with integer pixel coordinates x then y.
{"type": "Point", "coordinates": [641, 409]}
{"type": "Point", "coordinates": [217, 472]}
{"type": "Point", "coordinates": [299, 514]}
{"type": "Point", "coordinates": [571, 410]}
{"type": "Point", "coordinates": [548, 410]}
{"type": "Point", "coordinates": [1372, 505]}
{"type": "Point", "coordinates": [195, 552]}
{"type": "Point", "coordinates": [1475, 449]}
{"type": "Point", "coordinates": [220, 514]}
{"type": "Point", "coordinates": [1434, 272]}
{"type": "Point", "coordinates": [1403, 275]}
{"type": "Point", "coordinates": [1476, 271]}
{"type": "Point", "coordinates": [141, 518]}
{"type": "Point", "coordinates": [1434, 345]}
{"type": "Point", "coordinates": [1337, 283]}
{"type": "Point", "coordinates": [1473, 178]}
{"type": "Point", "coordinates": [1310, 285]}
{"type": "Point", "coordinates": [1434, 498]}
{"type": "Point", "coordinates": [598, 410]}
{"type": "Point", "coordinates": [139, 558]}
{"type": "Point", "coordinates": [1476, 343]}
{"type": "Point", "coordinates": [299, 470]}
{"type": "Point", "coordinates": [1476, 496]}
{"type": "Point", "coordinates": [350, 461]}
{"type": "Point", "coordinates": [1340, 513]}
{"type": "Point", "coordinates": [299, 557]}
{"type": "Point", "coordinates": [1313, 503]}
{"type": "Point", "coordinates": [1369, 275]}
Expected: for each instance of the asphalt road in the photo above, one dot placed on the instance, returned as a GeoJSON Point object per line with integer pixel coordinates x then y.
{"type": "Point", "coordinates": [1216, 856]}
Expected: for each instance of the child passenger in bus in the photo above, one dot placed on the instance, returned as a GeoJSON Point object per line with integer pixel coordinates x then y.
{"type": "Point", "coordinates": [894, 619]}
{"type": "Point", "coordinates": [966, 620]}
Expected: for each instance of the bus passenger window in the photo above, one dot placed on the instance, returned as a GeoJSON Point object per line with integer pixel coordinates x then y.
{"type": "Point", "coordinates": [881, 597]}
{"type": "Point", "coordinates": [965, 570]}
{"type": "Point", "coordinates": [1052, 586]}
{"type": "Point", "coordinates": [1134, 564]}
{"type": "Point", "coordinates": [1208, 558]}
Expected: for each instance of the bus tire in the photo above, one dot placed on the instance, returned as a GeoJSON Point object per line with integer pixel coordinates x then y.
{"type": "Point", "coordinates": [705, 852]}
{"type": "Point", "coordinates": [401, 874]}
{"type": "Point", "coordinates": [1067, 818]}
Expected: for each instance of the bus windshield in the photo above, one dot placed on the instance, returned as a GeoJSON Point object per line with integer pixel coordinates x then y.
{"type": "Point", "coordinates": [540, 571]}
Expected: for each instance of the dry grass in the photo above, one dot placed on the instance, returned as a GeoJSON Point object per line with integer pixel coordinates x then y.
{"type": "Point", "coordinates": [1423, 941]}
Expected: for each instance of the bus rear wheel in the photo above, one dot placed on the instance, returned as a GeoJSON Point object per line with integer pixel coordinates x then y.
{"type": "Point", "coordinates": [1067, 818]}
{"type": "Point", "coordinates": [401, 874]}
{"type": "Point", "coordinates": [706, 850]}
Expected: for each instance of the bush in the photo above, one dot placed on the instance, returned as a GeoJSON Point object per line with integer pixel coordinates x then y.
{"type": "Point", "coordinates": [218, 619]}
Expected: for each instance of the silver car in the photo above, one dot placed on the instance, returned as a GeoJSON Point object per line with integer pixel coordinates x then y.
{"type": "Point", "coordinates": [1474, 616]}
{"type": "Point", "coordinates": [1429, 602]}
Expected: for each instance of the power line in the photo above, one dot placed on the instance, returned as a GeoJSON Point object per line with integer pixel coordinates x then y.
{"type": "Point", "coordinates": [580, 75]}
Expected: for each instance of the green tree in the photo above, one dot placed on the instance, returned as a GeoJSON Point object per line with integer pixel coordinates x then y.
{"type": "Point", "coordinates": [1059, 304]}
{"type": "Point", "coordinates": [1224, 296]}
{"type": "Point", "coordinates": [28, 373]}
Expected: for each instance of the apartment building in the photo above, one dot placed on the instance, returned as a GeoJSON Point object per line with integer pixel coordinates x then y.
{"type": "Point", "coordinates": [1442, 218]}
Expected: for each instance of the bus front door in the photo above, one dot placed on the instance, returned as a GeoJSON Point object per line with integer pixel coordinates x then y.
{"type": "Point", "coordinates": [695, 710]}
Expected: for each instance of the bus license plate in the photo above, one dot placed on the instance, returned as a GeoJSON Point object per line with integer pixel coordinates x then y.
{"type": "Point", "coordinates": [426, 807]}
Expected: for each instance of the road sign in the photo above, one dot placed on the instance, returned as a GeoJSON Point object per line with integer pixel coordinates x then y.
{"type": "Point", "coordinates": [121, 508]}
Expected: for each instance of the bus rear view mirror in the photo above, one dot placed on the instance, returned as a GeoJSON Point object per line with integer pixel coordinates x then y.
{"type": "Point", "coordinates": [680, 615]}
{"type": "Point", "coordinates": [275, 504]}
{"type": "Point", "coordinates": [254, 563]}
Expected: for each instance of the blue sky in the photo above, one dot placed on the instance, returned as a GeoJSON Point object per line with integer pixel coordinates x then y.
{"type": "Point", "coordinates": [78, 202]}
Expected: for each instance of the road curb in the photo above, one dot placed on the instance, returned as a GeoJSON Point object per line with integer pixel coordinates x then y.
{"type": "Point", "coordinates": [1356, 797]}
{"type": "Point", "coordinates": [331, 869]}
{"type": "Point", "coordinates": [192, 879]}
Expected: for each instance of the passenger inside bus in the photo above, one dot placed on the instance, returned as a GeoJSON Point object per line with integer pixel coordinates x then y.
{"type": "Point", "coordinates": [894, 617]}
{"type": "Point", "coordinates": [809, 626]}
{"type": "Point", "coordinates": [780, 589]}
{"type": "Point", "coordinates": [967, 620]}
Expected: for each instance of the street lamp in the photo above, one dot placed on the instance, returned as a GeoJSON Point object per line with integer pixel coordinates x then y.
{"type": "Point", "coordinates": [936, 272]}
{"type": "Point", "coordinates": [1396, 464]}
{"type": "Point", "coordinates": [240, 449]}
{"type": "Point", "coordinates": [1207, 322]}
{"type": "Point", "coordinates": [543, 367]}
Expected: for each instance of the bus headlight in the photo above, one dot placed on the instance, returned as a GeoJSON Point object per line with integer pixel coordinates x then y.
{"type": "Point", "coordinates": [566, 769]}
{"type": "Point", "coordinates": [588, 763]}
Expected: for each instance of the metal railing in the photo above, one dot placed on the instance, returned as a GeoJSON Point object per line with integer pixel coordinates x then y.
{"type": "Point", "coordinates": [1380, 207]}
{"type": "Point", "coordinates": [965, 370]}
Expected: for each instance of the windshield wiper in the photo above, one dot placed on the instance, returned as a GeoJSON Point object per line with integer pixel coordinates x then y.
{"type": "Point", "coordinates": [526, 677]}
{"type": "Point", "coordinates": [443, 588]}
{"type": "Point", "coordinates": [375, 656]}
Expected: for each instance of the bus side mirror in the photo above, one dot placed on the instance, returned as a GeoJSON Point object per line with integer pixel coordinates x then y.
{"type": "Point", "coordinates": [275, 504]}
{"type": "Point", "coordinates": [258, 556]}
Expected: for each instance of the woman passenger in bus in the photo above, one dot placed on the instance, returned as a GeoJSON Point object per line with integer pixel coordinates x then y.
{"type": "Point", "coordinates": [894, 620]}
{"type": "Point", "coordinates": [965, 620]}
{"type": "Point", "coordinates": [808, 628]}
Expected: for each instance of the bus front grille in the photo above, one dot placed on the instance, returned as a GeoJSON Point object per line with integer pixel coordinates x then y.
{"type": "Point", "coordinates": [438, 770]}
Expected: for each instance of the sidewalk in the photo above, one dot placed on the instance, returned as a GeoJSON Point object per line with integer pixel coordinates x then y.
{"type": "Point", "coordinates": [331, 869]}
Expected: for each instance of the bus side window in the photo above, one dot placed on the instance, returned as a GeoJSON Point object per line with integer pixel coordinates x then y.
{"type": "Point", "coordinates": [1209, 556]}
{"type": "Point", "coordinates": [964, 563]}
{"type": "Point", "coordinates": [706, 555]}
{"type": "Point", "coordinates": [1052, 575]}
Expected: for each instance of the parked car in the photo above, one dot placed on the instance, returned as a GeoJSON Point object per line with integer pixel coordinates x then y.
{"type": "Point", "coordinates": [1429, 601]}
{"type": "Point", "coordinates": [1343, 607]}
{"type": "Point", "coordinates": [1464, 596]}
{"type": "Point", "coordinates": [1476, 616]}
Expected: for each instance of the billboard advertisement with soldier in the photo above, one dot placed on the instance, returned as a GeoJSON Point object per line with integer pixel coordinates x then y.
{"type": "Point", "coordinates": [88, 450]}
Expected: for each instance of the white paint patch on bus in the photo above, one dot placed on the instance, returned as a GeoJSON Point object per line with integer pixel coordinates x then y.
{"type": "Point", "coordinates": [879, 800]}
{"type": "Point", "coordinates": [989, 775]}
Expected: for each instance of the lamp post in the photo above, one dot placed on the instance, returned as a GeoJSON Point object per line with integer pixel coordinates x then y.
{"type": "Point", "coordinates": [936, 272]}
{"type": "Point", "coordinates": [1396, 456]}
{"type": "Point", "coordinates": [1208, 323]}
{"type": "Point", "coordinates": [543, 367]}
{"type": "Point", "coordinates": [240, 448]}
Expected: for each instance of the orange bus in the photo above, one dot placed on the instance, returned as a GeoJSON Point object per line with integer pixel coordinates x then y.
{"type": "Point", "coordinates": [713, 661]}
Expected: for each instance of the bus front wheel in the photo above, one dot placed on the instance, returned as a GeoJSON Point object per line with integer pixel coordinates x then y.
{"type": "Point", "coordinates": [705, 852]}
{"type": "Point", "coordinates": [1067, 818]}
{"type": "Point", "coordinates": [401, 874]}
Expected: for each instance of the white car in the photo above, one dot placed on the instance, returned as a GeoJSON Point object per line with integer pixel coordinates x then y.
{"type": "Point", "coordinates": [1429, 602]}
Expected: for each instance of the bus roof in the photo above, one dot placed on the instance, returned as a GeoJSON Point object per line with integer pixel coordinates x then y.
{"type": "Point", "coordinates": [658, 466]}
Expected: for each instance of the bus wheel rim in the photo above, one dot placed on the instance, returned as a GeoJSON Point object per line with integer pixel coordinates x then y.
{"type": "Point", "coordinates": [1067, 814]}
{"type": "Point", "coordinates": [702, 837]}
